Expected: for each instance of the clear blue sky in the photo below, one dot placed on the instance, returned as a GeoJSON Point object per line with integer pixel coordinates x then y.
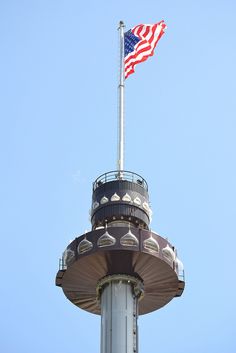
{"type": "Point", "coordinates": [58, 91]}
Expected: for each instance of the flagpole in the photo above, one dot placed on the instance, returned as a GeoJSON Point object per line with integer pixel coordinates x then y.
{"type": "Point", "coordinates": [121, 88]}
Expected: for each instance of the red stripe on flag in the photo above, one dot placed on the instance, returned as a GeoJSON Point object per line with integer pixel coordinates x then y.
{"type": "Point", "coordinates": [146, 32]}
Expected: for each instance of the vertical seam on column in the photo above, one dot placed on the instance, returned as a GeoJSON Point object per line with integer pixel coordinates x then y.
{"type": "Point", "coordinates": [126, 343]}
{"type": "Point", "coordinates": [111, 328]}
{"type": "Point", "coordinates": [126, 300]}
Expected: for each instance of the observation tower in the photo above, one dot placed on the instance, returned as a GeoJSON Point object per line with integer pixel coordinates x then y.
{"type": "Point", "coordinates": [120, 269]}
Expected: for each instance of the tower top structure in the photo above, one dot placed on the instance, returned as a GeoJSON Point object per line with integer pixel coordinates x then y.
{"type": "Point", "coordinates": [121, 269]}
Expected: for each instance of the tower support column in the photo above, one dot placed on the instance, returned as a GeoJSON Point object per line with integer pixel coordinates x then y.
{"type": "Point", "coordinates": [119, 295]}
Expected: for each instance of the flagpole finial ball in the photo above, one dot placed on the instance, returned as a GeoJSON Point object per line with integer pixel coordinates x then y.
{"type": "Point", "coordinates": [122, 23]}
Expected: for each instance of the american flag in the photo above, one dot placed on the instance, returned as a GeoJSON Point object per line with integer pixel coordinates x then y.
{"type": "Point", "coordinates": [139, 44]}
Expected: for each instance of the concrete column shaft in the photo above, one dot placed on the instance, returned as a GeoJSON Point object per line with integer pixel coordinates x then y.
{"type": "Point", "coordinates": [118, 318]}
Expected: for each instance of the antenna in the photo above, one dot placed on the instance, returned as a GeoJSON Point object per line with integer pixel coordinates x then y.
{"type": "Point", "coordinates": [121, 89]}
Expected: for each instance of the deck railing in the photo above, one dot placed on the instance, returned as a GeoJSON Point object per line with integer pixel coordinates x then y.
{"type": "Point", "coordinates": [120, 175]}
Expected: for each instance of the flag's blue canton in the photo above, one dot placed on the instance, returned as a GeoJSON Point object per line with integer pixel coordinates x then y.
{"type": "Point", "coordinates": [130, 41]}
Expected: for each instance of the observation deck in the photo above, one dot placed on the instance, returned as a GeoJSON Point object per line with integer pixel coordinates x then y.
{"type": "Point", "coordinates": [120, 196]}
{"type": "Point", "coordinates": [121, 244]}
